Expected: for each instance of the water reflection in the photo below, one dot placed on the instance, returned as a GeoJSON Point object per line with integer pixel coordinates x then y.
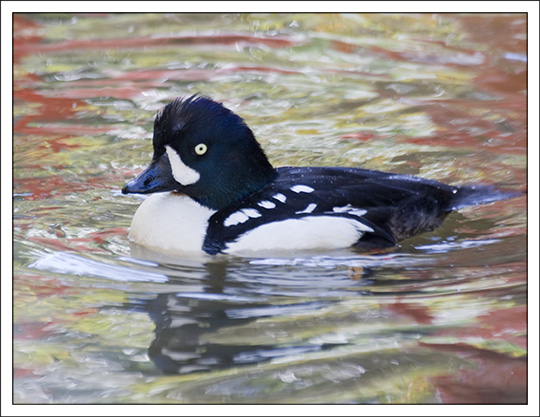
{"type": "Point", "coordinates": [255, 311]}
{"type": "Point", "coordinates": [185, 324]}
{"type": "Point", "coordinates": [190, 325]}
{"type": "Point", "coordinates": [300, 324]}
{"type": "Point", "coordinates": [218, 313]}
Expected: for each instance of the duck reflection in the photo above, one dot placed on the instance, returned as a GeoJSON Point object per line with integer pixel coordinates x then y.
{"type": "Point", "coordinates": [183, 320]}
{"type": "Point", "coordinates": [186, 325]}
{"type": "Point", "coordinates": [190, 324]}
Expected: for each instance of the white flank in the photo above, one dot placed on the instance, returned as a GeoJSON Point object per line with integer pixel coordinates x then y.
{"type": "Point", "coordinates": [171, 223]}
{"type": "Point", "coordinates": [308, 209]}
{"type": "Point", "coordinates": [315, 232]}
{"type": "Point", "coordinates": [266, 204]}
{"type": "Point", "coordinates": [241, 216]}
{"type": "Point", "coordinates": [302, 189]}
{"type": "Point", "coordinates": [280, 197]}
{"type": "Point", "coordinates": [181, 172]}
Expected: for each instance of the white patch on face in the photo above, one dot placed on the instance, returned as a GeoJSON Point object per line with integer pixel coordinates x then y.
{"type": "Point", "coordinates": [280, 197]}
{"type": "Point", "coordinates": [302, 189]}
{"type": "Point", "coordinates": [241, 216]}
{"type": "Point", "coordinates": [266, 204]}
{"type": "Point", "coordinates": [308, 209]}
{"type": "Point", "coordinates": [350, 210]}
{"type": "Point", "coordinates": [180, 171]}
{"type": "Point", "coordinates": [315, 232]}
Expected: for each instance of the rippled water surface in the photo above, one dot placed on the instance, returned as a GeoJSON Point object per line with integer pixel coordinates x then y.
{"type": "Point", "coordinates": [439, 319]}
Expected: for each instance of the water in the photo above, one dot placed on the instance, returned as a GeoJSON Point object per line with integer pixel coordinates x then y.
{"type": "Point", "coordinates": [439, 319]}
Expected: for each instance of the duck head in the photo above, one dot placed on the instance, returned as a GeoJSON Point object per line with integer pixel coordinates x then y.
{"type": "Point", "coordinates": [205, 151]}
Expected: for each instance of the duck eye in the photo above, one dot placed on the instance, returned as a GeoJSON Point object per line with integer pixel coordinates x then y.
{"type": "Point", "coordinates": [201, 149]}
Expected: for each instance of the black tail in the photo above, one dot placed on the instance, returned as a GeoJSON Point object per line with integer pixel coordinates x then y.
{"type": "Point", "coordinates": [472, 195]}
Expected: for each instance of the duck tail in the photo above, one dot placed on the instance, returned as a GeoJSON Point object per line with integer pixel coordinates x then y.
{"type": "Point", "coordinates": [472, 195]}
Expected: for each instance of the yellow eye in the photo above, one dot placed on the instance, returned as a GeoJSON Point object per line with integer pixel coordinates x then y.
{"type": "Point", "coordinates": [201, 149]}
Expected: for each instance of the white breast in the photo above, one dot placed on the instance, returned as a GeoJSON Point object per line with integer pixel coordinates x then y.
{"type": "Point", "coordinates": [171, 223]}
{"type": "Point", "coordinates": [312, 232]}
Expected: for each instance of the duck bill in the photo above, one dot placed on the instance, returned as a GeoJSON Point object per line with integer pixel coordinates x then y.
{"type": "Point", "coordinates": [154, 179]}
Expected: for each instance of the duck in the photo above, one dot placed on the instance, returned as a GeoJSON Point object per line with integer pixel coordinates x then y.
{"type": "Point", "coordinates": [214, 191]}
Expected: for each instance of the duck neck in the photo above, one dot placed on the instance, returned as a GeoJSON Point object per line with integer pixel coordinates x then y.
{"type": "Point", "coordinates": [228, 192]}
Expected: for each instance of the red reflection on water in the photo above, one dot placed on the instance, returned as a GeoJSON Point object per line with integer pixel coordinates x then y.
{"type": "Point", "coordinates": [152, 76]}
{"type": "Point", "coordinates": [68, 245]}
{"type": "Point", "coordinates": [419, 313]}
{"type": "Point", "coordinates": [509, 324]}
{"type": "Point", "coordinates": [50, 185]}
{"type": "Point", "coordinates": [240, 68]}
{"type": "Point", "coordinates": [25, 373]}
{"type": "Point", "coordinates": [22, 28]}
{"type": "Point", "coordinates": [92, 242]}
{"type": "Point", "coordinates": [47, 186]}
{"type": "Point", "coordinates": [362, 136]}
{"type": "Point", "coordinates": [47, 110]}
{"type": "Point", "coordinates": [497, 121]}
{"type": "Point", "coordinates": [508, 83]}
{"type": "Point", "coordinates": [420, 56]}
{"type": "Point", "coordinates": [499, 126]}
{"type": "Point", "coordinates": [114, 231]}
{"type": "Point", "coordinates": [502, 31]}
{"type": "Point", "coordinates": [52, 243]}
{"type": "Point", "coordinates": [86, 312]}
{"type": "Point", "coordinates": [34, 45]}
{"type": "Point", "coordinates": [39, 285]}
{"type": "Point", "coordinates": [496, 378]}
{"type": "Point", "coordinates": [129, 84]}
{"type": "Point", "coordinates": [346, 47]}
{"type": "Point", "coordinates": [32, 330]}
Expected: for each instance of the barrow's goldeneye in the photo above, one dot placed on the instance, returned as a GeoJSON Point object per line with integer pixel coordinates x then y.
{"type": "Point", "coordinates": [224, 196]}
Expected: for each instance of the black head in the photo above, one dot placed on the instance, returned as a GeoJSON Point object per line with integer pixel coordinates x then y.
{"type": "Point", "coordinates": [206, 151]}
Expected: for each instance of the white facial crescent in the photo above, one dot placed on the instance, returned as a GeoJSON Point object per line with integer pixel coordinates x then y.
{"type": "Point", "coordinates": [180, 171]}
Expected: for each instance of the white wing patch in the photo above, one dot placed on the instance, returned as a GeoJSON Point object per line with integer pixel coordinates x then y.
{"type": "Point", "coordinates": [266, 204]}
{"type": "Point", "coordinates": [241, 216]}
{"type": "Point", "coordinates": [302, 189]}
{"type": "Point", "coordinates": [280, 197]}
{"type": "Point", "coordinates": [312, 232]}
{"type": "Point", "coordinates": [180, 171]}
{"type": "Point", "coordinates": [350, 210]}
{"type": "Point", "coordinates": [308, 209]}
